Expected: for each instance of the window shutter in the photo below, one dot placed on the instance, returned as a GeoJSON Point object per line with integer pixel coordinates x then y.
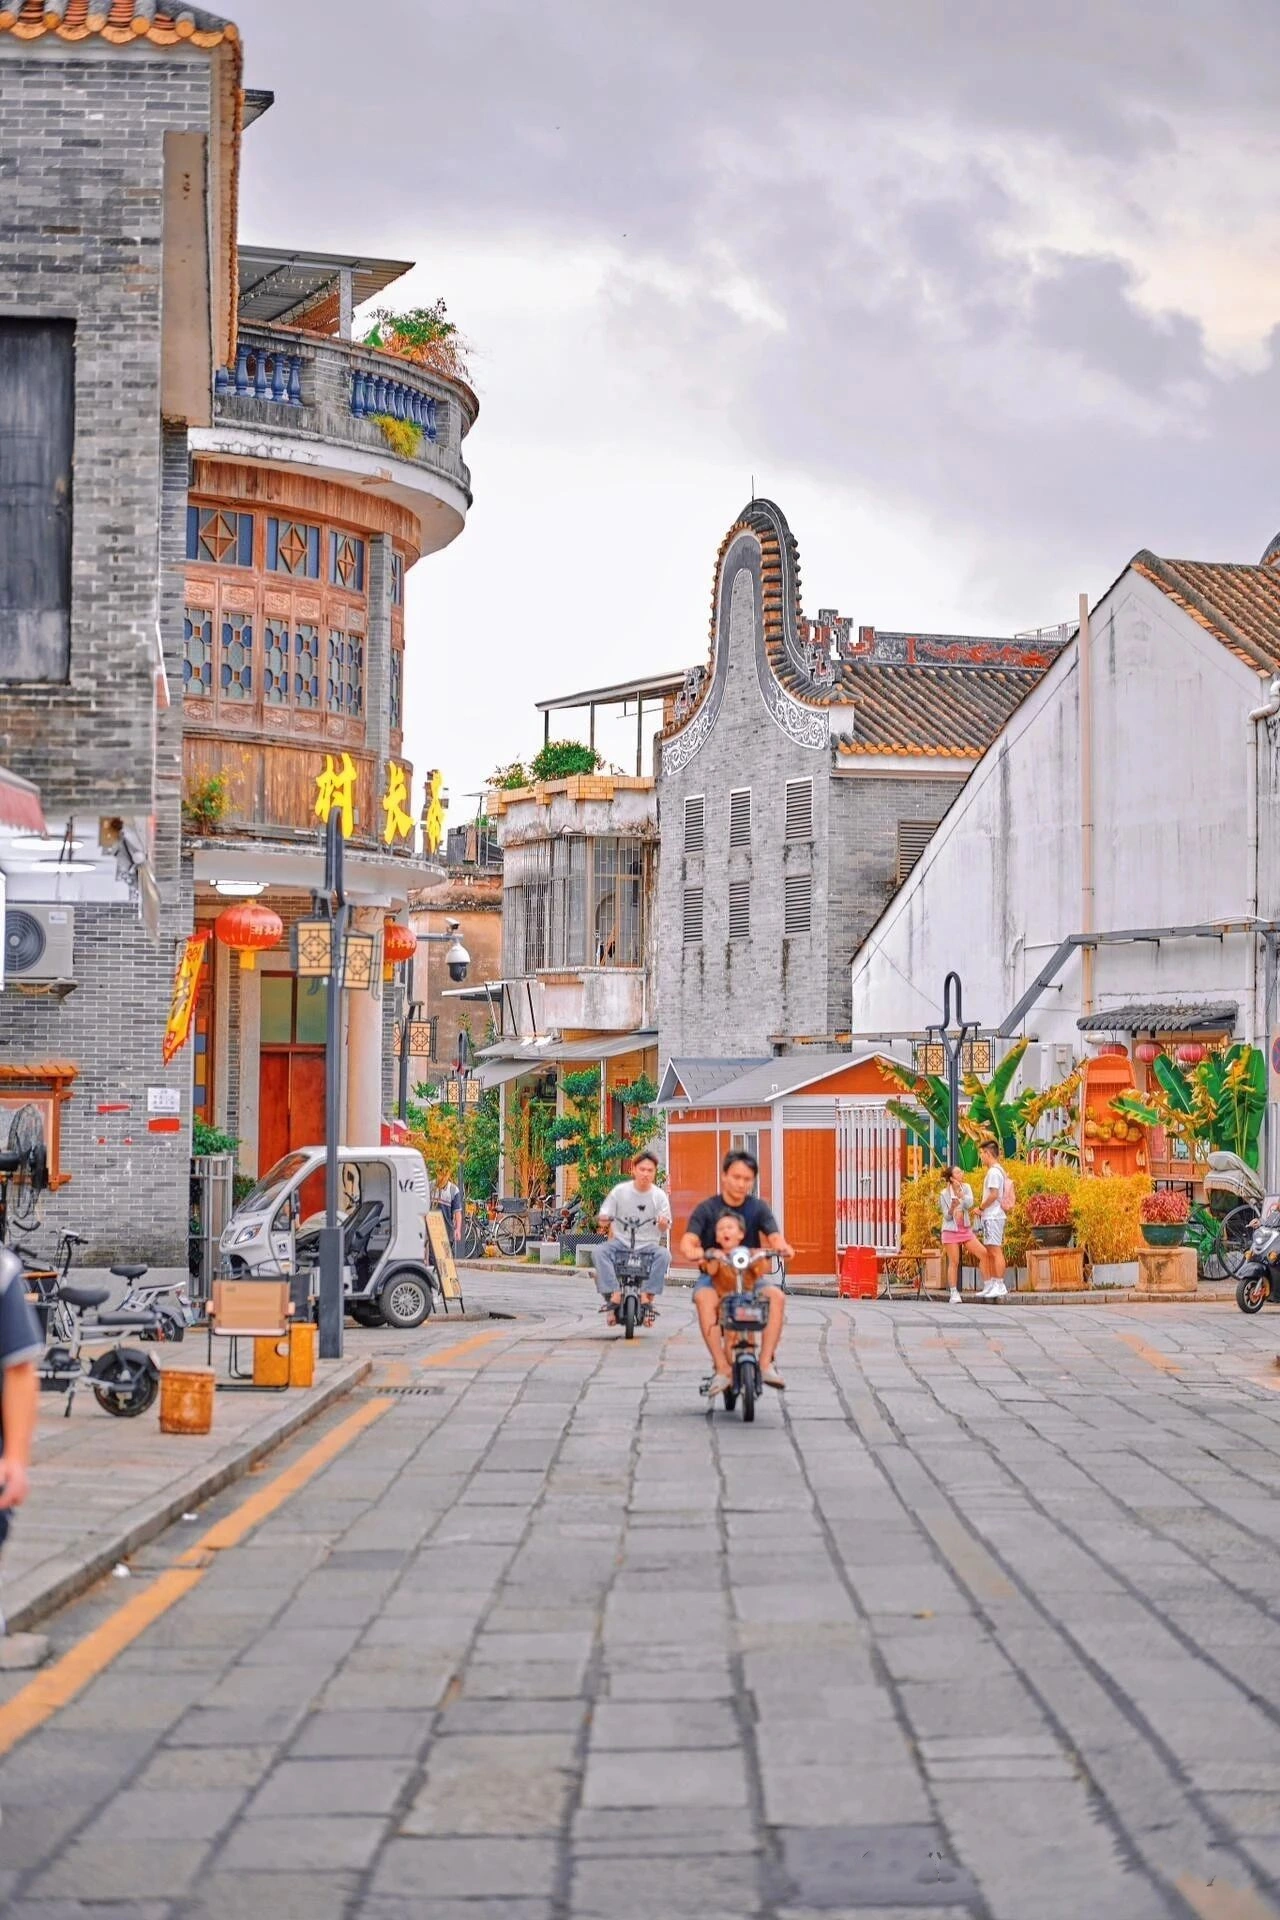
{"type": "Point", "coordinates": [692, 916]}
{"type": "Point", "coordinates": [797, 910]}
{"type": "Point", "coordinates": [739, 909]}
{"type": "Point", "coordinates": [740, 817]}
{"type": "Point", "coordinates": [913, 837]}
{"type": "Point", "coordinates": [695, 811]}
{"type": "Point", "coordinates": [799, 810]}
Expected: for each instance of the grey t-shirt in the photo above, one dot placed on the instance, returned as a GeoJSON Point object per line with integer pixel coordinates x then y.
{"type": "Point", "coordinates": [626, 1203]}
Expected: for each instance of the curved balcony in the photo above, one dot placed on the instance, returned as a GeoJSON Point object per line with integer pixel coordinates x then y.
{"type": "Point", "coordinates": [349, 414]}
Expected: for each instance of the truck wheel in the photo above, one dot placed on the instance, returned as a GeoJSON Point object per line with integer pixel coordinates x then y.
{"type": "Point", "coordinates": [404, 1299]}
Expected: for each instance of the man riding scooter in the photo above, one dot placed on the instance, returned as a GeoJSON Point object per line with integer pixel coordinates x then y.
{"type": "Point", "coordinates": [737, 1179]}
{"type": "Point", "coordinates": [635, 1212]}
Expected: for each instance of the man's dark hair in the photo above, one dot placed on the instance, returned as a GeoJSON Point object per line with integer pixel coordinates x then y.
{"type": "Point", "coordinates": [739, 1154]}
{"type": "Point", "coordinates": [645, 1153]}
{"type": "Point", "coordinates": [989, 1144]}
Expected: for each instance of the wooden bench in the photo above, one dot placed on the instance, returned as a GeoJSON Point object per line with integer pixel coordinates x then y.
{"type": "Point", "coordinates": [248, 1310]}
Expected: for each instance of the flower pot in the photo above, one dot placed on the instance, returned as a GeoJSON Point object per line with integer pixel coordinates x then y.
{"type": "Point", "coordinates": [1052, 1236]}
{"type": "Point", "coordinates": [1164, 1234]}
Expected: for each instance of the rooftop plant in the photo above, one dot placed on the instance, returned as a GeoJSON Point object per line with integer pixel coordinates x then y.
{"type": "Point", "coordinates": [561, 759]}
{"type": "Point", "coordinates": [205, 803]}
{"type": "Point", "coordinates": [424, 335]}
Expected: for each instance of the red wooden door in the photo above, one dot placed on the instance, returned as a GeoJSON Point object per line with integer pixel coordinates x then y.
{"type": "Point", "coordinates": [291, 1112]}
{"type": "Point", "coordinates": [694, 1174]}
{"type": "Point", "coordinates": [809, 1183]}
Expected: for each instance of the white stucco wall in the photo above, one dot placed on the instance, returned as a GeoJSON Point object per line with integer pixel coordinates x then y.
{"type": "Point", "coordinates": [999, 885]}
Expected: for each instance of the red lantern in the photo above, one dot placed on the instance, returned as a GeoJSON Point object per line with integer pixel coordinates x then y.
{"type": "Point", "coordinates": [1191, 1053]}
{"type": "Point", "coordinates": [1114, 1046]}
{"type": "Point", "coordinates": [248, 929]}
{"type": "Point", "coordinates": [398, 943]}
{"type": "Point", "coordinates": [1147, 1051]}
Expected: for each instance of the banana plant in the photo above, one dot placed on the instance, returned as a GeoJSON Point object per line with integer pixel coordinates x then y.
{"type": "Point", "coordinates": [1218, 1107]}
{"type": "Point", "coordinates": [927, 1113]}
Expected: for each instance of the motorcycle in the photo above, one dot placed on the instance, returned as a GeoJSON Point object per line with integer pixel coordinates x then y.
{"type": "Point", "coordinates": [165, 1300]}
{"type": "Point", "coordinates": [631, 1268]}
{"type": "Point", "coordinates": [743, 1318]}
{"type": "Point", "coordinates": [1259, 1277]}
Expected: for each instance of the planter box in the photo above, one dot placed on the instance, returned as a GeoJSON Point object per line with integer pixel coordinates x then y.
{"type": "Point", "coordinates": [549, 1253]}
{"type": "Point", "coordinates": [570, 1242]}
{"type": "Point", "coordinates": [1167, 1270]}
{"type": "Point", "coordinates": [1120, 1273]}
{"type": "Point", "coordinates": [1055, 1269]}
{"type": "Point", "coordinates": [933, 1281]}
{"type": "Point", "coordinates": [1052, 1236]}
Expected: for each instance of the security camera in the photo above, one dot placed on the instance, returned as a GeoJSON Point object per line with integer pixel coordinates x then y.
{"type": "Point", "coordinates": [451, 926]}
{"type": "Point", "coordinates": [458, 960]}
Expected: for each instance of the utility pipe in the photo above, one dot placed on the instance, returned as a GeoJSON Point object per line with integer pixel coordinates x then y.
{"type": "Point", "coordinates": [1268, 710]}
{"type": "Point", "coordinates": [1086, 804]}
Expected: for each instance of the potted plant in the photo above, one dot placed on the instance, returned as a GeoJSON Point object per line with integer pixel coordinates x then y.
{"type": "Point", "coordinates": [1163, 1217]}
{"type": "Point", "coordinates": [1049, 1218]}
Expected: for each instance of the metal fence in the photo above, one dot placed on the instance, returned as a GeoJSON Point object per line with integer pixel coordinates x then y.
{"type": "Point", "coordinates": [869, 1156]}
{"type": "Point", "coordinates": [212, 1189]}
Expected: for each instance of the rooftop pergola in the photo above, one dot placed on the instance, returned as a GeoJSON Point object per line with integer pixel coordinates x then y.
{"type": "Point", "coordinates": [654, 687]}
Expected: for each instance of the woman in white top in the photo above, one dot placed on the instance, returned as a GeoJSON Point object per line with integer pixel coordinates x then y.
{"type": "Point", "coordinates": [956, 1201]}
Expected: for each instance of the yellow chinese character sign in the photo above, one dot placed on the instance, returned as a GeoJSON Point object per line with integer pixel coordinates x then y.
{"type": "Point", "coordinates": [394, 804]}
{"type": "Point", "coordinates": [433, 811]}
{"type": "Point", "coordinates": [336, 787]}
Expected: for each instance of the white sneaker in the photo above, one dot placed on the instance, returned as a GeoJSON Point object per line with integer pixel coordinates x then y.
{"type": "Point", "coordinates": [997, 1290]}
{"type": "Point", "coordinates": [986, 1293]}
{"type": "Point", "coordinates": [955, 1297]}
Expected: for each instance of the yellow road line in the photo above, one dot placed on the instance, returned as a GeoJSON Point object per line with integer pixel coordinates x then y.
{"type": "Point", "coordinates": [59, 1684]}
{"type": "Point", "coordinates": [1152, 1355]}
{"type": "Point", "coordinates": [1215, 1900]}
{"type": "Point", "coordinates": [465, 1346]}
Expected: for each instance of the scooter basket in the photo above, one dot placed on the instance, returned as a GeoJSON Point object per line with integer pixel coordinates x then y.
{"type": "Point", "coordinates": [743, 1313]}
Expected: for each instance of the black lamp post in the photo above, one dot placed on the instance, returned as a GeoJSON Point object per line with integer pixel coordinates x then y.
{"type": "Point", "coordinates": [953, 1037]}
{"type": "Point", "coordinates": [331, 1233]}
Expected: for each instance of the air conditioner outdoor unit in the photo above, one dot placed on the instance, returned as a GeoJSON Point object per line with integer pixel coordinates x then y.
{"type": "Point", "coordinates": [39, 941]}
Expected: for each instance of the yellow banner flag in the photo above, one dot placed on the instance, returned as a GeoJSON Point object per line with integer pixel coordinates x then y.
{"type": "Point", "coordinates": [186, 981]}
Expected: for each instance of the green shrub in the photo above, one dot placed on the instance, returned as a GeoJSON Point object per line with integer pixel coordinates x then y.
{"type": "Point", "coordinates": [1104, 1211]}
{"type": "Point", "coordinates": [561, 759]}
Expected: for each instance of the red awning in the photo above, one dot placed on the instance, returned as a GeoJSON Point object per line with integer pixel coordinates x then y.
{"type": "Point", "coordinates": [20, 804]}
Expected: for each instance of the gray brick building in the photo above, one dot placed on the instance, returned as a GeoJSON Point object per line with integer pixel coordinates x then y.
{"type": "Point", "coordinates": [119, 135]}
{"type": "Point", "coordinates": [801, 773]}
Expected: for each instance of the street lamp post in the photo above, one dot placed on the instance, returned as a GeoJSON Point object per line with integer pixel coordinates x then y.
{"type": "Point", "coordinates": [331, 1233]}
{"type": "Point", "coordinates": [952, 1040]}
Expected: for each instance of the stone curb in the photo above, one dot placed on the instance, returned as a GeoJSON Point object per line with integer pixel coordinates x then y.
{"type": "Point", "coordinates": [33, 1596]}
{"type": "Point", "coordinates": [824, 1290]}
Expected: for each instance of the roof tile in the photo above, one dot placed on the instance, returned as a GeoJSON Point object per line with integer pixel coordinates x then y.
{"type": "Point", "coordinates": [119, 21]}
{"type": "Point", "coordinates": [954, 712]}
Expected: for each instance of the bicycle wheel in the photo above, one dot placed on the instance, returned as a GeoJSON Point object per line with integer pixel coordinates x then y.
{"type": "Point", "coordinates": [472, 1247]}
{"type": "Point", "coordinates": [512, 1235]}
{"type": "Point", "coordinates": [1234, 1237]}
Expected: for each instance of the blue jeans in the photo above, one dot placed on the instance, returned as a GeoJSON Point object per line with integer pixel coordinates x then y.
{"type": "Point", "coordinates": [607, 1279]}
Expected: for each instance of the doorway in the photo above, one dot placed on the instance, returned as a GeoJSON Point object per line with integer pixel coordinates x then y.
{"type": "Point", "coordinates": [291, 1091]}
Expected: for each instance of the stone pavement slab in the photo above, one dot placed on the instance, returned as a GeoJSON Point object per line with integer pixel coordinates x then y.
{"type": "Point", "coordinates": [974, 1624]}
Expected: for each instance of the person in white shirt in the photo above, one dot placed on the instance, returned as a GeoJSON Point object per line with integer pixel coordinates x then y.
{"type": "Point", "coordinates": [956, 1201]}
{"type": "Point", "coordinates": [640, 1200]}
{"type": "Point", "coordinates": [991, 1220]}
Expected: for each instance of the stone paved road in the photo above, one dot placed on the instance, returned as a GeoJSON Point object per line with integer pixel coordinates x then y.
{"type": "Point", "coordinates": [977, 1625]}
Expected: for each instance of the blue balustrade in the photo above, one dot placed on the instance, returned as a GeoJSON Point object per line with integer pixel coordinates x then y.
{"type": "Point", "coordinates": [262, 375]}
{"type": "Point", "coordinates": [375, 393]}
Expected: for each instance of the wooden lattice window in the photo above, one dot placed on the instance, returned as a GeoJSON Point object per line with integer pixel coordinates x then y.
{"type": "Point", "coordinates": [397, 689]}
{"type": "Point", "coordinates": [346, 674]}
{"type": "Point", "coordinates": [220, 537]}
{"type": "Point", "coordinates": [235, 672]}
{"type": "Point", "coordinates": [293, 547]}
{"type": "Point", "coordinates": [197, 653]}
{"type": "Point", "coordinates": [275, 664]}
{"type": "Point", "coordinates": [346, 561]}
{"type": "Point", "coordinates": [47, 1086]}
{"type": "Point", "coordinates": [306, 666]}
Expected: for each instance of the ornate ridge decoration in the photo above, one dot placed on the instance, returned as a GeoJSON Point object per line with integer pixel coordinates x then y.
{"type": "Point", "coordinates": [121, 21]}
{"type": "Point", "coordinates": [797, 676]}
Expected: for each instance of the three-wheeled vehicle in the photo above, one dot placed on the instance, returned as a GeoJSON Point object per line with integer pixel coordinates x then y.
{"type": "Point", "coordinates": [389, 1278]}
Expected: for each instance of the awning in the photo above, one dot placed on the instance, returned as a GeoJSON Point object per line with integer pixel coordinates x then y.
{"type": "Point", "coordinates": [511, 1058]}
{"type": "Point", "coordinates": [20, 804]}
{"type": "Point", "coordinates": [1153, 1017]}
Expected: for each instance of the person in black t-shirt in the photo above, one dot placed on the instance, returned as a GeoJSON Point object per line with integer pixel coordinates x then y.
{"type": "Point", "coordinates": [737, 1178]}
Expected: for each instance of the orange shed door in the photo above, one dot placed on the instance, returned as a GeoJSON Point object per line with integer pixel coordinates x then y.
{"type": "Point", "coordinates": [809, 1184]}
{"type": "Point", "coordinates": [693, 1175]}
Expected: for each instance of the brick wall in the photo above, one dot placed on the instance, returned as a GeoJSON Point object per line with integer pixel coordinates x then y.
{"type": "Point", "coordinates": [81, 215]}
{"type": "Point", "coordinates": [81, 221]}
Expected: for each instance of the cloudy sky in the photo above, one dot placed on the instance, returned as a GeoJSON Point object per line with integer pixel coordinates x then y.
{"type": "Point", "coordinates": [986, 297]}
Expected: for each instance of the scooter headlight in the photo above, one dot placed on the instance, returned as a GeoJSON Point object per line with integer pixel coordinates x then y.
{"type": "Point", "coordinates": [245, 1233]}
